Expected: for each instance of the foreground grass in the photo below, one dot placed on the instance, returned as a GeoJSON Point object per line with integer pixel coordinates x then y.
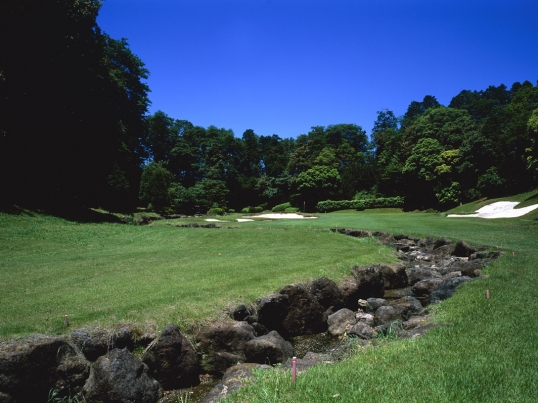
{"type": "Point", "coordinates": [105, 274]}
{"type": "Point", "coordinates": [488, 354]}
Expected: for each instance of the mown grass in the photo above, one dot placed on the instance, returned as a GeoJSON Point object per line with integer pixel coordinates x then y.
{"type": "Point", "coordinates": [489, 353]}
{"type": "Point", "coordinates": [105, 274]}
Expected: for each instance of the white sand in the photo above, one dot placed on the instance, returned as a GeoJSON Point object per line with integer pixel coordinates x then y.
{"type": "Point", "coordinates": [499, 210]}
{"type": "Point", "coordinates": [214, 219]}
{"type": "Point", "coordinates": [244, 219]}
{"type": "Point", "coordinates": [282, 215]}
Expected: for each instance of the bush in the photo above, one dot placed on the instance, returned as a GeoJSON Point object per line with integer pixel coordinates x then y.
{"type": "Point", "coordinates": [231, 211]}
{"type": "Point", "coordinates": [281, 207]}
{"type": "Point", "coordinates": [381, 202]}
{"type": "Point", "coordinates": [216, 211]}
{"type": "Point", "coordinates": [292, 209]}
{"type": "Point", "coordinates": [250, 210]}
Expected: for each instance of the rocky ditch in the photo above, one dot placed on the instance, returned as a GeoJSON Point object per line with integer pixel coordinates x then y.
{"type": "Point", "coordinates": [99, 365]}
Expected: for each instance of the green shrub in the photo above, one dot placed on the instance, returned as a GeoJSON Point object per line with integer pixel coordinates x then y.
{"type": "Point", "coordinates": [292, 209]}
{"type": "Point", "coordinates": [231, 211]}
{"type": "Point", "coordinates": [216, 211]}
{"type": "Point", "coordinates": [381, 202]}
{"type": "Point", "coordinates": [252, 209]}
{"type": "Point", "coordinates": [281, 207]}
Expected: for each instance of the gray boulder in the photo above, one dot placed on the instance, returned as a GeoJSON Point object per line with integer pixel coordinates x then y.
{"type": "Point", "coordinates": [272, 310]}
{"type": "Point", "coordinates": [350, 293]}
{"type": "Point", "coordinates": [30, 369]}
{"type": "Point", "coordinates": [447, 288]}
{"type": "Point", "coordinates": [416, 274]}
{"type": "Point", "coordinates": [370, 280]}
{"type": "Point", "coordinates": [386, 314]}
{"type": "Point", "coordinates": [119, 377]}
{"type": "Point", "coordinates": [427, 286]}
{"type": "Point", "coordinates": [362, 330]}
{"type": "Point", "coordinates": [441, 242]}
{"type": "Point", "coordinates": [327, 293]}
{"type": "Point", "coordinates": [394, 277]}
{"type": "Point", "coordinates": [463, 249]}
{"type": "Point", "coordinates": [93, 343]}
{"type": "Point", "coordinates": [339, 321]}
{"type": "Point", "coordinates": [305, 314]}
{"type": "Point", "coordinates": [223, 337]}
{"type": "Point", "coordinates": [268, 349]}
{"type": "Point", "coordinates": [374, 304]}
{"type": "Point", "coordinates": [172, 360]}
{"type": "Point", "coordinates": [407, 306]}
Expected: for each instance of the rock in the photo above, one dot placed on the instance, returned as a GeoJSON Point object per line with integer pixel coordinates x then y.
{"type": "Point", "coordinates": [124, 338]}
{"type": "Point", "coordinates": [223, 337]}
{"type": "Point", "coordinates": [119, 377]}
{"type": "Point", "coordinates": [386, 314]}
{"type": "Point", "coordinates": [394, 277]}
{"type": "Point", "coordinates": [452, 274]}
{"type": "Point", "coordinates": [234, 378]}
{"type": "Point", "coordinates": [268, 349]}
{"type": "Point", "coordinates": [463, 249]}
{"type": "Point", "coordinates": [416, 274]}
{"type": "Point", "coordinates": [370, 280]}
{"type": "Point", "coordinates": [172, 360]}
{"type": "Point", "coordinates": [374, 303]}
{"type": "Point", "coordinates": [407, 306]}
{"type": "Point", "coordinates": [242, 312]}
{"type": "Point", "coordinates": [31, 369]}
{"type": "Point", "coordinates": [309, 360]}
{"type": "Point", "coordinates": [441, 242]}
{"type": "Point", "coordinates": [326, 292]}
{"type": "Point", "coordinates": [468, 268]}
{"type": "Point", "coordinates": [272, 310]}
{"type": "Point", "coordinates": [358, 233]}
{"type": "Point", "coordinates": [445, 250]}
{"type": "Point", "coordinates": [305, 314]}
{"type": "Point", "coordinates": [340, 321]}
{"type": "Point", "coordinates": [414, 322]}
{"type": "Point", "coordinates": [350, 293]}
{"type": "Point", "coordinates": [365, 318]}
{"type": "Point", "coordinates": [93, 344]}
{"type": "Point", "coordinates": [427, 286]}
{"type": "Point", "coordinates": [362, 330]}
{"type": "Point", "coordinates": [447, 288]}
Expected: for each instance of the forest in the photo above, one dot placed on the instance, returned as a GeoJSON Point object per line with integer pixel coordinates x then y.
{"type": "Point", "coordinates": [75, 130]}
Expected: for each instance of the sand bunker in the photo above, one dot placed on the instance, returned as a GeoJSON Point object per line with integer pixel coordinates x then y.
{"type": "Point", "coordinates": [282, 215]}
{"type": "Point", "coordinates": [244, 219]}
{"type": "Point", "coordinates": [214, 219]}
{"type": "Point", "coordinates": [499, 210]}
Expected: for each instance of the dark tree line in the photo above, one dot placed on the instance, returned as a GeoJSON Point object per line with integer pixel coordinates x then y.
{"type": "Point", "coordinates": [74, 129]}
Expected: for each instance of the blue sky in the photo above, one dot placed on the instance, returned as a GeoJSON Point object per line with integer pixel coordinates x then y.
{"type": "Point", "coordinates": [282, 66]}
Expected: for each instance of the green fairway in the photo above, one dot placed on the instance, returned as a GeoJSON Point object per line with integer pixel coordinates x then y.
{"type": "Point", "coordinates": [112, 273]}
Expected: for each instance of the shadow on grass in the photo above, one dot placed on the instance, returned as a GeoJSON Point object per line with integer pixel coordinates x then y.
{"type": "Point", "coordinates": [70, 213]}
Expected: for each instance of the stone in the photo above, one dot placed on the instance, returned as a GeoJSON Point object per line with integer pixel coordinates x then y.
{"type": "Point", "coordinates": [268, 349]}
{"type": "Point", "coordinates": [427, 286]}
{"type": "Point", "coordinates": [172, 360]}
{"type": "Point", "coordinates": [272, 310]}
{"type": "Point", "coordinates": [407, 306]}
{"type": "Point", "coordinates": [362, 330]}
{"type": "Point", "coordinates": [386, 314]}
{"type": "Point", "coordinates": [365, 318]}
{"type": "Point", "coordinates": [394, 277]}
{"type": "Point", "coordinates": [418, 331]}
{"type": "Point", "coordinates": [416, 274]}
{"type": "Point", "coordinates": [339, 321]}
{"type": "Point", "coordinates": [358, 233]}
{"type": "Point", "coordinates": [327, 293]}
{"type": "Point", "coordinates": [234, 378]}
{"type": "Point", "coordinates": [374, 303]}
{"type": "Point", "coordinates": [305, 314]}
{"type": "Point", "coordinates": [119, 377]}
{"type": "Point", "coordinates": [30, 369]}
{"type": "Point", "coordinates": [468, 268]}
{"type": "Point", "coordinates": [242, 312]}
{"type": "Point", "coordinates": [223, 337]}
{"type": "Point", "coordinates": [452, 274]}
{"type": "Point", "coordinates": [445, 250]}
{"type": "Point", "coordinates": [447, 288]}
{"type": "Point", "coordinates": [370, 280]}
{"type": "Point", "coordinates": [463, 249]}
{"type": "Point", "coordinates": [93, 343]}
{"type": "Point", "coordinates": [441, 242]}
{"type": "Point", "coordinates": [350, 293]}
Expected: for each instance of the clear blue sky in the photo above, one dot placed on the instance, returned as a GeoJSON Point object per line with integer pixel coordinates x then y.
{"type": "Point", "coordinates": [282, 66]}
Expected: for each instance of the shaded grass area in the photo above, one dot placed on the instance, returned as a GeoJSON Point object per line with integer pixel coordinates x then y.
{"type": "Point", "coordinates": [106, 273]}
{"type": "Point", "coordinates": [488, 354]}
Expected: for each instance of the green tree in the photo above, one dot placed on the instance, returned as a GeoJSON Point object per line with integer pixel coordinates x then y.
{"type": "Point", "coordinates": [154, 186]}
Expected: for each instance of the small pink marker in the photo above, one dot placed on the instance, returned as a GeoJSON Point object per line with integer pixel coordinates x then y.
{"type": "Point", "coordinates": [487, 294]}
{"type": "Point", "coordinates": [294, 369]}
